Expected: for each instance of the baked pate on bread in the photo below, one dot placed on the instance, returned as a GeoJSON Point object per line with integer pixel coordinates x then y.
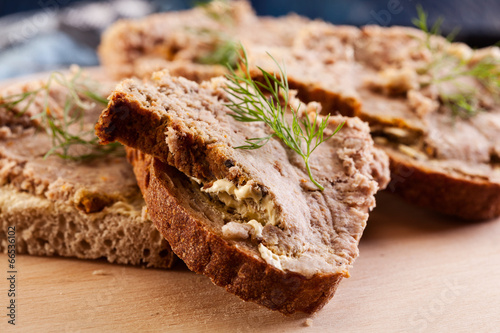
{"type": "Point", "coordinates": [441, 129]}
{"type": "Point", "coordinates": [251, 220]}
{"type": "Point", "coordinates": [183, 41]}
{"type": "Point", "coordinates": [394, 78]}
{"type": "Point", "coordinates": [87, 209]}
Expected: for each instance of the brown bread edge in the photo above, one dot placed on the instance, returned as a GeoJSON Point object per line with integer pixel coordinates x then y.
{"type": "Point", "coordinates": [469, 199]}
{"type": "Point", "coordinates": [204, 252]}
{"type": "Point", "coordinates": [465, 198]}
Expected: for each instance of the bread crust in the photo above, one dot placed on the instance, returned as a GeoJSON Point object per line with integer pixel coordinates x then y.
{"type": "Point", "coordinates": [471, 199]}
{"type": "Point", "coordinates": [249, 277]}
{"type": "Point", "coordinates": [117, 122]}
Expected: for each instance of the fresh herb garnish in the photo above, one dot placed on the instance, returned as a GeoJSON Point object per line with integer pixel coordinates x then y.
{"type": "Point", "coordinates": [65, 125]}
{"type": "Point", "coordinates": [421, 22]}
{"type": "Point", "coordinates": [449, 68]}
{"type": "Point", "coordinates": [218, 10]}
{"type": "Point", "coordinates": [224, 50]}
{"type": "Point", "coordinates": [267, 101]}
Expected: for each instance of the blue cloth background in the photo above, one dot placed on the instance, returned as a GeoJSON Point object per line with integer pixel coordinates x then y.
{"type": "Point", "coordinates": [44, 35]}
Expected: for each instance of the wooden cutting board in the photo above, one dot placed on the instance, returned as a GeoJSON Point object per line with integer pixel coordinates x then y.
{"type": "Point", "coordinates": [417, 272]}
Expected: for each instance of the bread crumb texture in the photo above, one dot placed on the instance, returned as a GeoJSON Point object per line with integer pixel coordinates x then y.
{"type": "Point", "coordinates": [87, 210]}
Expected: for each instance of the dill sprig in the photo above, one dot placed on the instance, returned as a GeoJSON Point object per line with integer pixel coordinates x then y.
{"type": "Point", "coordinates": [462, 105]}
{"type": "Point", "coordinates": [218, 10]}
{"type": "Point", "coordinates": [421, 22]}
{"type": "Point", "coordinates": [267, 101]}
{"type": "Point", "coordinates": [445, 67]}
{"type": "Point", "coordinates": [65, 123]}
{"type": "Point", "coordinates": [224, 49]}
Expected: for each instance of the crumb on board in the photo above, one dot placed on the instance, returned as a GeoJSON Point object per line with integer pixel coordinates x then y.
{"type": "Point", "coordinates": [308, 322]}
{"type": "Point", "coordinates": [99, 272]}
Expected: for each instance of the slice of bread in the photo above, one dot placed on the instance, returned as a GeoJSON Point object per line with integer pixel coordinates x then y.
{"type": "Point", "coordinates": [439, 160]}
{"type": "Point", "coordinates": [178, 41]}
{"type": "Point", "coordinates": [166, 37]}
{"type": "Point", "coordinates": [87, 210]}
{"type": "Point", "coordinates": [374, 73]}
{"type": "Point", "coordinates": [467, 190]}
{"type": "Point", "coordinates": [251, 220]}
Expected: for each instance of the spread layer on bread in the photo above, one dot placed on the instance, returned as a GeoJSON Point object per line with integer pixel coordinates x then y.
{"type": "Point", "coordinates": [262, 199]}
{"type": "Point", "coordinates": [247, 200]}
{"type": "Point", "coordinates": [63, 207]}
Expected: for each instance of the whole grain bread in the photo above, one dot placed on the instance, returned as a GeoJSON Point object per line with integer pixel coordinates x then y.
{"type": "Point", "coordinates": [442, 186]}
{"type": "Point", "coordinates": [251, 220]}
{"type": "Point", "coordinates": [87, 210]}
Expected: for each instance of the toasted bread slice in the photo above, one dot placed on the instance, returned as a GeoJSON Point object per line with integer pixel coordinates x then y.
{"type": "Point", "coordinates": [89, 209]}
{"type": "Point", "coordinates": [251, 220]}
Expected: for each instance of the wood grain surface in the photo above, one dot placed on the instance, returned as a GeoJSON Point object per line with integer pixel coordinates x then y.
{"type": "Point", "coordinates": [417, 272]}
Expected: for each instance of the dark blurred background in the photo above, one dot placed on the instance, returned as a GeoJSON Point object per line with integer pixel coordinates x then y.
{"type": "Point", "coordinates": [41, 35]}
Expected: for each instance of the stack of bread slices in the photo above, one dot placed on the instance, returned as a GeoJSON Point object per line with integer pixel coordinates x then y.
{"type": "Point", "coordinates": [252, 220]}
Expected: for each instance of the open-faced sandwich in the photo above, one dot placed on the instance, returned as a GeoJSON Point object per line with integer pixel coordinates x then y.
{"type": "Point", "coordinates": [63, 193]}
{"type": "Point", "coordinates": [236, 190]}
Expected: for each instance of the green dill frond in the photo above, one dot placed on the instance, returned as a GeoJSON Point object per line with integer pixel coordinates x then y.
{"type": "Point", "coordinates": [445, 67]}
{"type": "Point", "coordinates": [66, 126]}
{"type": "Point", "coordinates": [465, 103]}
{"type": "Point", "coordinates": [10, 102]}
{"type": "Point", "coordinates": [461, 104]}
{"type": "Point", "coordinates": [224, 51]}
{"type": "Point", "coordinates": [421, 22]}
{"type": "Point", "coordinates": [218, 10]}
{"type": "Point", "coordinates": [267, 101]}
